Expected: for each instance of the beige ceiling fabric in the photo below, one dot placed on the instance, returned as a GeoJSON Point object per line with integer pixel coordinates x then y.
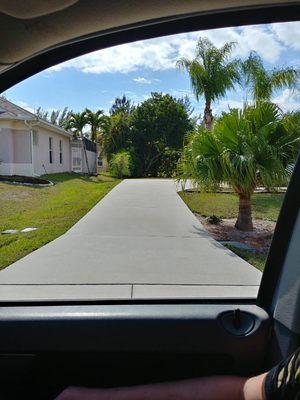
{"type": "Point", "coordinates": [21, 38]}
{"type": "Point", "coordinates": [33, 8]}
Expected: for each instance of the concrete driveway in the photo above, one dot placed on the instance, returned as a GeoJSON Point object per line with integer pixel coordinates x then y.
{"type": "Point", "coordinates": [140, 241]}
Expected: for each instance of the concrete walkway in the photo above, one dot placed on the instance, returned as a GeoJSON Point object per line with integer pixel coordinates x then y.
{"type": "Point", "coordinates": [140, 241]}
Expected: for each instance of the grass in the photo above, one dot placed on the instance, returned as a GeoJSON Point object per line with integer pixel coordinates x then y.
{"type": "Point", "coordinates": [225, 205]}
{"type": "Point", "coordinates": [265, 206]}
{"type": "Point", "coordinates": [53, 210]}
{"type": "Point", "coordinates": [258, 260]}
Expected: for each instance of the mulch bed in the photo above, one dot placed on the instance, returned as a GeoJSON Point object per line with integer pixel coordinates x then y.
{"type": "Point", "coordinates": [24, 180]}
{"type": "Point", "coordinates": [260, 238]}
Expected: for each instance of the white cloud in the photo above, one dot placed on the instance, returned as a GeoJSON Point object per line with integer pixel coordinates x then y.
{"type": "Point", "coordinates": [141, 80]}
{"type": "Point", "coordinates": [248, 38]}
{"type": "Point", "coordinates": [288, 33]}
{"type": "Point", "coordinates": [226, 105]}
{"type": "Point", "coordinates": [180, 92]}
{"type": "Point", "coordinates": [25, 105]}
{"type": "Point", "coordinates": [161, 53]}
{"type": "Point", "coordinates": [288, 100]}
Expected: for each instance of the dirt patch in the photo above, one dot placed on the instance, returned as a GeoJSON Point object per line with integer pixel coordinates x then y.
{"type": "Point", "coordinates": [260, 238]}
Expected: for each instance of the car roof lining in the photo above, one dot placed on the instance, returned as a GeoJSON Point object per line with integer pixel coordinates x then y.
{"type": "Point", "coordinates": [28, 36]}
{"type": "Point", "coordinates": [14, 72]}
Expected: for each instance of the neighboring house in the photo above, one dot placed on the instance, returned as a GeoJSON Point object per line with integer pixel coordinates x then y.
{"type": "Point", "coordinates": [32, 146]}
{"type": "Point", "coordinates": [102, 162]}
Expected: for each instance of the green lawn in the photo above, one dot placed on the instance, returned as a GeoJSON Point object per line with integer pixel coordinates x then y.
{"type": "Point", "coordinates": [225, 205]}
{"type": "Point", "coordinates": [258, 260]}
{"type": "Point", "coordinates": [53, 210]}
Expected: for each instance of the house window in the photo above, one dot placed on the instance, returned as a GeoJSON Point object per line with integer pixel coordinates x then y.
{"type": "Point", "coordinates": [50, 150]}
{"type": "Point", "coordinates": [35, 138]}
{"type": "Point", "coordinates": [60, 151]}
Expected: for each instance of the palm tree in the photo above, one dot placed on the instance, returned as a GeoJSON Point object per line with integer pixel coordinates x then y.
{"type": "Point", "coordinates": [96, 122]}
{"type": "Point", "coordinates": [76, 124]}
{"type": "Point", "coordinates": [116, 133]}
{"type": "Point", "coordinates": [263, 82]}
{"type": "Point", "coordinates": [211, 73]}
{"type": "Point", "coordinates": [247, 147]}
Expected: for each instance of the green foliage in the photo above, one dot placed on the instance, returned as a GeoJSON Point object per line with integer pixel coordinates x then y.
{"type": "Point", "coordinates": [213, 220]}
{"type": "Point", "coordinates": [121, 105]}
{"type": "Point", "coordinates": [117, 134]}
{"type": "Point", "coordinates": [120, 164]}
{"type": "Point", "coordinates": [96, 120]}
{"type": "Point", "coordinates": [56, 117]}
{"type": "Point", "coordinates": [168, 163]}
{"type": "Point", "coordinates": [211, 73]}
{"type": "Point", "coordinates": [245, 148]}
{"type": "Point", "coordinates": [76, 123]}
{"type": "Point", "coordinates": [249, 147]}
{"type": "Point", "coordinates": [159, 124]}
{"type": "Point", "coordinates": [262, 82]}
{"type": "Point", "coordinates": [152, 133]}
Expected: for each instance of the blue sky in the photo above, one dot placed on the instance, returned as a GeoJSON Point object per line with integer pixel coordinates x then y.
{"type": "Point", "coordinates": [137, 69]}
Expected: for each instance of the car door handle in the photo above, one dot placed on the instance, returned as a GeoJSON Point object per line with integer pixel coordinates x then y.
{"type": "Point", "coordinates": [237, 322]}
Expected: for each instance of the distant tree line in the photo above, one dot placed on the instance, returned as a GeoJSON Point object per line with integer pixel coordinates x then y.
{"type": "Point", "coordinates": [55, 117]}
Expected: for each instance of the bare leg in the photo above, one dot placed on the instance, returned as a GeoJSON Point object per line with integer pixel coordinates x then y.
{"type": "Point", "coordinates": [212, 388]}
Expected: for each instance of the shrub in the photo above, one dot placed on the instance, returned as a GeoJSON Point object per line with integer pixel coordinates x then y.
{"type": "Point", "coordinates": [120, 164]}
{"type": "Point", "coordinates": [213, 220]}
{"type": "Point", "coordinates": [168, 163]}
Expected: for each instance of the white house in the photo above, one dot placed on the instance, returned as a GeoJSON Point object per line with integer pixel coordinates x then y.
{"type": "Point", "coordinates": [31, 146]}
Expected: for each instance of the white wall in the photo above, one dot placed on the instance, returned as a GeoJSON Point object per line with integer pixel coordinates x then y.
{"type": "Point", "coordinates": [92, 160]}
{"type": "Point", "coordinates": [41, 152]}
{"type": "Point", "coordinates": [15, 149]}
{"type": "Point", "coordinates": [19, 156]}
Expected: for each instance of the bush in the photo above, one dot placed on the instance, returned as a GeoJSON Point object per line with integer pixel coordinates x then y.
{"type": "Point", "coordinates": [120, 164]}
{"type": "Point", "coordinates": [213, 220]}
{"type": "Point", "coordinates": [168, 163]}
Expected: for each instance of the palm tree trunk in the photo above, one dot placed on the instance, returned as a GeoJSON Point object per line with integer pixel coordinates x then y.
{"type": "Point", "coordinates": [94, 134]}
{"type": "Point", "coordinates": [208, 117]}
{"type": "Point", "coordinates": [244, 221]}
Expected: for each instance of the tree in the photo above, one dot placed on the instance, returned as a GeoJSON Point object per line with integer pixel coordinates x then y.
{"type": "Point", "coordinates": [96, 121]}
{"type": "Point", "coordinates": [116, 133]}
{"type": "Point", "coordinates": [121, 105]}
{"type": "Point", "coordinates": [120, 164]}
{"type": "Point", "coordinates": [158, 124]}
{"type": "Point", "coordinates": [63, 117]}
{"type": "Point", "coordinates": [263, 82]}
{"type": "Point", "coordinates": [40, 113]}
{"type": "Point", "coordinates": [56, 117]}
{"type": "Point", "coordinates": [247, 147]}
{"type": "Point", "coordinates": [211, 74]}
{"type": "Point", "coordinates": [76, 124]}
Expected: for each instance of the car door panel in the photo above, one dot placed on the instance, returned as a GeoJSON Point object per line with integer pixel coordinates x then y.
{"type": "Point", "coordinates": [113, 345]}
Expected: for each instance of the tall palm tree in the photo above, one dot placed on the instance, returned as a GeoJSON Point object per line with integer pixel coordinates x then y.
{"type": "Point", "coordinates": [246, 148]}
{"type": "Point", "coordinates": [96, 122]}
{"type": "Point", "coordinates": [76, 123]}
{"type": "Point", "coordinates": [211, 73]}
{"type": "Point", "coordinates": [263, 82]}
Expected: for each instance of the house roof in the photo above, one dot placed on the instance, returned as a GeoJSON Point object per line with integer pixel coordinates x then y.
{"type": "Point", "coordinates": [11, 111]}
